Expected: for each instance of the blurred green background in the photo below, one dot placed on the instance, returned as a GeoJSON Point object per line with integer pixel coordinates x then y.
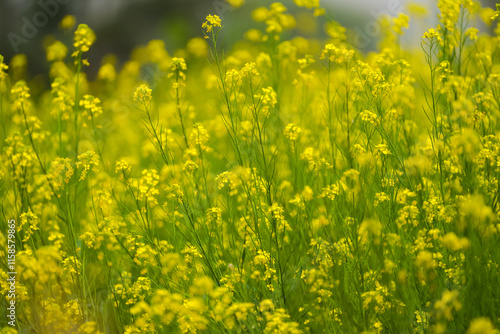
{"type": "Point", "coordinates": [120, 25]}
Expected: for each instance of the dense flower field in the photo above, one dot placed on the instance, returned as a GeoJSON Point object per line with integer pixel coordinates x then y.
{"type": "Point", "coordinates": [285, 185]}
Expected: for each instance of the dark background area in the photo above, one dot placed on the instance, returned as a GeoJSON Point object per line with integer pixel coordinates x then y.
{"type": "Point", "coordinates": [120, 25]}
